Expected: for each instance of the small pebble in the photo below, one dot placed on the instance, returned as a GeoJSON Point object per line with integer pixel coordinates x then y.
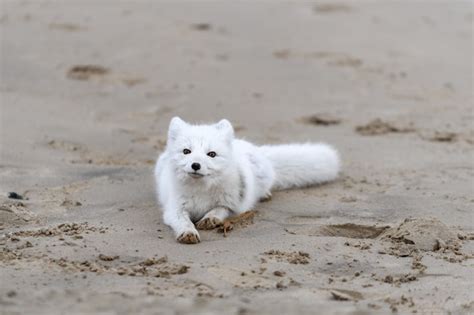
{"type": "Point", "coordinates": [279, 273]}
{"type": "Point", "coordinates": [14, 195]}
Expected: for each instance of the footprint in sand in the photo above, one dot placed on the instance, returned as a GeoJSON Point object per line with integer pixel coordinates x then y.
{"type": "Point", "coordinates": [349, 230]}
{"type": "Point", "coordinates": [242, 279]}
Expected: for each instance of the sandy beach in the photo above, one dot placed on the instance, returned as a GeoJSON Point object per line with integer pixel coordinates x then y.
{"type": "Point", "coordinates": [87, 92]}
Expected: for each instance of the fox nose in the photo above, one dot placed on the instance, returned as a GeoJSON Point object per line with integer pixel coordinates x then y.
{"type": "Point", "coordinates": [196, 166]}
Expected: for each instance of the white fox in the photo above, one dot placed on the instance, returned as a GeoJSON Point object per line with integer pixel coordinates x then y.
{"type": "Point", "coordinates": [206, 175]}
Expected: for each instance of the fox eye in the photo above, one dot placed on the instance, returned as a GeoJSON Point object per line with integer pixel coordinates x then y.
{"type": "Point", "coordinates": [212, 154]}
{"type": "Point", "coordinates": [186, 151]}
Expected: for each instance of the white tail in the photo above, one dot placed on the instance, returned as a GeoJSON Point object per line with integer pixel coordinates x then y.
{"type": "Point", "coordinates": [300, 165]}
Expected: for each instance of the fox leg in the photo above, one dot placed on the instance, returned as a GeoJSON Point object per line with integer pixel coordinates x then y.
{"type": "Point", "coordinates": [181, 224]}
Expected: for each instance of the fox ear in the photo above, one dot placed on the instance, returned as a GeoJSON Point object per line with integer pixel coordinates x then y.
{"type": "Point", "coordinates": [176, 124]}
{"type": "Point", "coordinates": [226, 128]}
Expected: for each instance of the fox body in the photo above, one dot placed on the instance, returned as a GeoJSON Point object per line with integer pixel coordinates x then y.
{"type": "Point", "coordinates": [206, 175]}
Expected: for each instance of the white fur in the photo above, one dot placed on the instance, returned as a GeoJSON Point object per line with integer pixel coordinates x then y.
{"type": "Point", "coordinates": [299, 165]}
{"type": "Point", "coordinates": [235, 180]}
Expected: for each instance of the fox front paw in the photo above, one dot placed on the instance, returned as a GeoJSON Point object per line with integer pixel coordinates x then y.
{"type": "Point", "coordinates": [188, 237]}
{"type": "Point", "coordinates": [266, 197]}
{"type": "Point", "coordinates": [208, 223]}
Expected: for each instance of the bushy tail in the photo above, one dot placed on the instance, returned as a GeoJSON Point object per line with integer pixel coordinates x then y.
{"type": "Point", "coordinates": [299, 165]}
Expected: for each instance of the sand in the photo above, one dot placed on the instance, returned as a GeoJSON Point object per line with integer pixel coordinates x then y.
{"type": "Point", "coordinates": [88, 89]}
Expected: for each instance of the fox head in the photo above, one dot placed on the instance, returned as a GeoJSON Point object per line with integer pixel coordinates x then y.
{"type": "Point", "coordinates": [200, 152]}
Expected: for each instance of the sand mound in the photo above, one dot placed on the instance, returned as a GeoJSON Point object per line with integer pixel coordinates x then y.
{"type": "Point", "coordinates": [296, 258]}
{"type": "Point", "coordinates": [428, 234]}
{"type": "Point", "coordinates": [85, 72]}
{"type": "Point", "coordinates": [380, 127]}
{"type": "Point", "coordinates": [322, 120]}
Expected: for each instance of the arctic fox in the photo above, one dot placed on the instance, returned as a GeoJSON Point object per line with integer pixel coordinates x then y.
{"type": "Point", "coordinates": [206, 175]}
